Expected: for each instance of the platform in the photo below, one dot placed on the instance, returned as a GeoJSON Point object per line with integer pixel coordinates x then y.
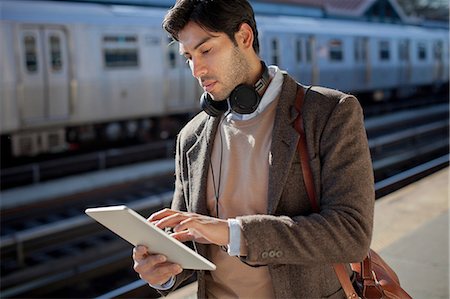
{"type": "Point", "coordinates": [84, 182]}
{"type": "Point", "coordinates": [411, 232]}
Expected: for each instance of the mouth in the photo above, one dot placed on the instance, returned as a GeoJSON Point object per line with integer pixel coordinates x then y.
{"type": "Point", "coordinates": [208, 85]}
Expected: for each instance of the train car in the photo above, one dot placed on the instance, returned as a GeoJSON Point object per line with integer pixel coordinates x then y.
{"type": "Point", "coordinates": [82, 73]}
{"type": "Point", "coordinates": [77, 73]}
{"type": "Point", "coordinates": [355, 56]}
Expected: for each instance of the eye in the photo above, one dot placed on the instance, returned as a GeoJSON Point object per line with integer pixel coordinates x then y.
{"type": "Point", "coordinates": [188, 62]}
{"type": "Point", "coordinates": [206, 51]}
{"type": "Point", "coordinates": [187, 59]}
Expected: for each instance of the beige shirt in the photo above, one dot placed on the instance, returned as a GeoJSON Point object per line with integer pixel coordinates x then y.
{"type": "Point", "coordinates": [239, 174]}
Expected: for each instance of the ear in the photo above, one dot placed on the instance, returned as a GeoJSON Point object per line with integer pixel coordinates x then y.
{"type": "Point", "coordinates": [244, 36]}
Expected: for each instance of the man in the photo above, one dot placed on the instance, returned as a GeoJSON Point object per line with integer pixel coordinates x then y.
{"type": "Point", "coordinates": [239, 191]}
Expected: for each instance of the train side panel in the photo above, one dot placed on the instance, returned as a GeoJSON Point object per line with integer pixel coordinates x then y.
{"type": "Point", "coordinates": [9, 115]}
{"type": "Point", "coordinates": [355, 56]}
{"type": "Point", "coordinates": [116, 77]}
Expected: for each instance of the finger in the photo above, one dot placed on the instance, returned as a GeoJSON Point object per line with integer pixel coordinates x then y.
{"type": "Point", "coordinates": [163, 273]}
{"type": "Point", "coordinates": [183, 236]}
{"type": "Point", "coordinates": [172, 220]}
{"type": "Point", "coordinates": [140, 252]}
{"type": "Point", "coordinates": [186, 224]}
{"type": "Point", "coordinates": [148, 262]}
{"type": "Point", "coordinates": [192, 230]}
{"type": "Point", "coordinates": [211, 229]}
{"type": "Point", "coordinates": [161, 214]}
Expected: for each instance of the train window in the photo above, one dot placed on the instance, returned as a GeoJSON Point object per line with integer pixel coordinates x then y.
{"type": "Point", "coordinates": [55, 53]}
{"type": "Point", "coordinates": [360, 49]}
{"type": "Point", "coordinates": [172, 54]}
{"type": "Point", "coordinates": [383, 50]}
{"type": "Point", "coordinates": [403, 50]}
{"type": "Point", "coordinates": [335, 50]}
{"type": "Point", "coordinates": [275, 54]}
{"type": "Point", "coordinates": [309, 47]}
{"type": "Point", "coordinates": [438, 49]}
{"type": "Point", "coordinates": [422, 51]}
{"type": "Point", "coordinates": [30, 53]}
{"type": "Point", "coordinates": [115, 58]}
{"type": "Point", "coordinates": [298, 50]}
{"type": "Point", "coordinates": [120, 51]}
{"type": "Point", "coordinates": [356, 50]}
{"type": "Point", "coordinates": [120, 39]}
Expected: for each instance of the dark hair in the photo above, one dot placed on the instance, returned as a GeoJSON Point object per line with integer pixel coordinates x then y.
{"type": "Point", "coordinates": [213, 15]}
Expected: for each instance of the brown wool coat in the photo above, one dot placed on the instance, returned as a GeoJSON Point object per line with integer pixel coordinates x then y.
{"type": "Point", "coordinates": [299, 247]}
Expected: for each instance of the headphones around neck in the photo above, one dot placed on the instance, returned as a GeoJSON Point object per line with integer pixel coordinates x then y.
{"type": "Point", "coordinates": [244, 99]}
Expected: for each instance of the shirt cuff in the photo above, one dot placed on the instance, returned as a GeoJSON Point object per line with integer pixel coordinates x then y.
{"type": "Point", "coordinates": [165, 286]}
{"type": "Point", "coordinates": [234, 247]}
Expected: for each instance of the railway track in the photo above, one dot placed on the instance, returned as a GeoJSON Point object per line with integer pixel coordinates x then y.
{"type": "Point", "coordinates": [58, 250]}
{"type": "Point", "coordinates": [49, 170]}
{"type": "Point", "coordinates": [41, 248]}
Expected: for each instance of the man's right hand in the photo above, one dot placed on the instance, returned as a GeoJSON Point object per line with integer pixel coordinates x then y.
{"type": "Point", "coordinates": [153, 268]}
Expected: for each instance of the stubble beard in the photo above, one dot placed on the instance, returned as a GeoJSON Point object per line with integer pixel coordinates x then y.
{"type": "Point", "coordinates": [237, 72]}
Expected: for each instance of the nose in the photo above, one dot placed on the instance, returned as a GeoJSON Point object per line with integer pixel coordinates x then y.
{"type": "Point", "coordinates": [198, 67]}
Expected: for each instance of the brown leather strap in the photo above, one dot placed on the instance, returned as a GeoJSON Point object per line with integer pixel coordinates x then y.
{"type": "Point", "coordinates": [345, 281]}
{"type": "Point", "coordinates": [310, 189]}
{"type": "Point", "coordinates": [303, 151]}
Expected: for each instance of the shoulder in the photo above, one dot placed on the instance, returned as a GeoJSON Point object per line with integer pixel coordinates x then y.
{"type": "Point", "coordinates": [193, 129]}
{"type": "Point", "coordinates": [328, 96]}
{"type": "Point", "coordinates": [318, 99]}
{"type": "Point", "coordinates": [322, 102]}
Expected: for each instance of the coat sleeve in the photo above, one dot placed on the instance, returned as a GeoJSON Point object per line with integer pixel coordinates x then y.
{"type": "Point", "coordinates": [342, 231]}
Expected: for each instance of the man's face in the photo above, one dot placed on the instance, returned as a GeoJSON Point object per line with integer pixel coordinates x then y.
{"type": "Point", "coordinates": [215, 61]}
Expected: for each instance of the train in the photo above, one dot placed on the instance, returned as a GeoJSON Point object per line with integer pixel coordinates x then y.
{"type": "Point", "coordinates": [77, 73]}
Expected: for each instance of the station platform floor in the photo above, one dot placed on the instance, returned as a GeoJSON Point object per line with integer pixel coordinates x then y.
{"type": "Point", "coordinates": [84, 182]}
{"type": "Point", "coordinates": [411, 232]}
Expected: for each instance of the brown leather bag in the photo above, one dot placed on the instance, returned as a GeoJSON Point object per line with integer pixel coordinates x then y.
{"type": "Point", "coordinates": [374, 278]}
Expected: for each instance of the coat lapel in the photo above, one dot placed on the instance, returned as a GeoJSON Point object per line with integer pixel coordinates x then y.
{"type": "Point", "coordinates": [198, 158]}
{"type": "Point", "coordinates": [284, 142]}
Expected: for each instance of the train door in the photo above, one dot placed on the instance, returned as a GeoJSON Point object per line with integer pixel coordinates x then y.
{"type": "Point", "coordinates": [438, 61]}
{"type": "Point", "coordinates": [404, 60]}
{"type": "Point", "coordinates": [44, 77]}
{"type": "Point", "coordinates": [181, 88]}
{"type": "Point", "coordinates": [274, 54]}
{"type": "Point", "coordinates": [31, 89]}
{"type": "Point", "coordinates": [304, 63]}
{"type": "Point", "coordinates": [57, 73]}
{"type": "Point", "coordinates": [362, 69]}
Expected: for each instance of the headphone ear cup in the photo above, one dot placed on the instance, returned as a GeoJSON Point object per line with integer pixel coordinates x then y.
{"type": "Point", "coordinates": [244, 99]}
{"type": "Point", "coordinates": [211, 107]}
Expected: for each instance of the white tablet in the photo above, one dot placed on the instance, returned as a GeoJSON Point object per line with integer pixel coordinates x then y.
{"type": "Point", "coordinates": [138, 231]}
